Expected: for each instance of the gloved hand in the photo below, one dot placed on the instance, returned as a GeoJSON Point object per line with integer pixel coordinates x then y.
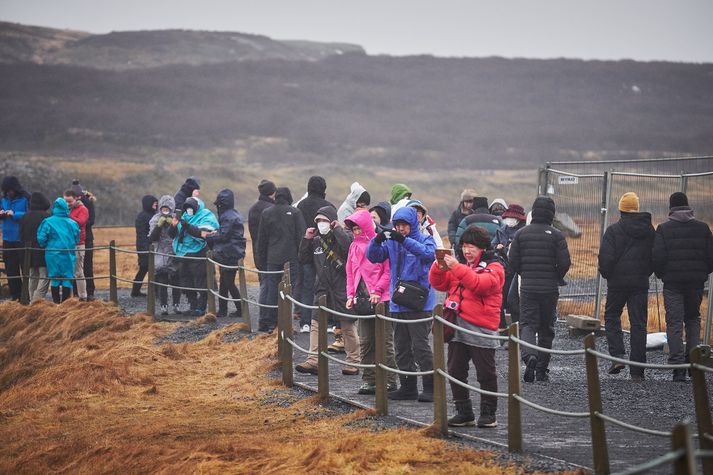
{"type": "Point", "coordinates": [164, 221]}
{"type": "Point", "coordinates": [397, 236]}
{"type": "Point", "coordinates": [381, 237]}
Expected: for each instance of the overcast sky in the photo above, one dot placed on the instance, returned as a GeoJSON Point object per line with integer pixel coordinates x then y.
{"type": "Point", "coordinates": [673, 30]}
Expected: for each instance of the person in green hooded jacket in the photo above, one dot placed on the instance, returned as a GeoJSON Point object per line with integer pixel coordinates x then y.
{"type": "Point", "coordinates": [400, 196]}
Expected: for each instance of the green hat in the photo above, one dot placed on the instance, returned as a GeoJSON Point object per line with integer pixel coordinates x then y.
{"type": "Point", "coordinates": [399, 192]}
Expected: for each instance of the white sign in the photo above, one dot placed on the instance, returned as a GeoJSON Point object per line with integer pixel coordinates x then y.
{"type": "Point", "coordinates": [568, 180]}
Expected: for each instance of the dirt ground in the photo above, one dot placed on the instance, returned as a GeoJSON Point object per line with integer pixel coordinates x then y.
{"type": "Point", "coordinates": [84, 388]}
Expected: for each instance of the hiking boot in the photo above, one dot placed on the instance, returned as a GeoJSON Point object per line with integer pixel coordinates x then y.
{"type": "Point", "coordinates": [464, 414]}
{"type": "Point", "coordinates": [408, 390]}
{"type": "Point", "coordinates": [164, 309]}
{"type": "Point", "coordinates": [307, 368]}
{"type": "Point", "coordinates": [487, 416]}
{"type": "Point", "coordinates": [616, 368]}
{"type": "Point", "coordinates": [305, 329]}
{"type": "Point", "coordinates": [350, 371]}
{"type": "Point", "coordinates": [367, 388]}
{"type": "Point", "coordinates": [542, 374]}
{"type": "Point", "coordinates": [427, 394]}
{"type": "Point", "coordinates": [338, 345]}
{"type": "Point", "coordinates": [177, 309]}
{"type": "Point", "coordinates": [529, 375]}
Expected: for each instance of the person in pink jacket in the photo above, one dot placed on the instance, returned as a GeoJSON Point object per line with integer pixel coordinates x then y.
{"type": "Point", "coordinates": [368, 282]}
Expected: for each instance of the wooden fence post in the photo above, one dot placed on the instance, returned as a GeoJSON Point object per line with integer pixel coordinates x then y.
{"type": "Point", "coordinates": [440, 409]}
{"type": "Point", "coordinates": [25, 294]}
{"type": "Point", "coordinates": [681, 439]}
{"type": "Point", "coordinates": [151, 288]}
{"type": "Point", "coordinates": [244, 306]}
{"type": "Point", "coordinates": [322, 361]}
{"type": "Point", "coordinates": [210, 282]}
{"type": "Point", "coordinates": [287, 332]}
{"type": "Point", "coordinates": [514, 408]}
{"type": "Point", "coordinates": [381, 404]}
{"type": "Point", "coordinates": [600, 452]}
{"type": "Point", "coordinates": [113, 293]}
{"type": "Point", "coordinates": [703, 409]}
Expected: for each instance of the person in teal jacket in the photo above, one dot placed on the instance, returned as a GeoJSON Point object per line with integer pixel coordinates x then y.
{"type": "Point", "coordinates": [59, 231]}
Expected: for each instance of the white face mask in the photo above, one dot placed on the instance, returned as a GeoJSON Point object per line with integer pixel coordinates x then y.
{"type": "Point", "coordinates": [323, 228]}
{"type": "Point", "coordinates": [511, 222]}
{"type": "Point", "coordinates": [189, 211]}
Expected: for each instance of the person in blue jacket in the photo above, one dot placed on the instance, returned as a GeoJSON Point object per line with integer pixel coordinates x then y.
{"type": "Point", "coordinates": [59, 231]}
{"type": "Point", "coordinates": [15, 202]}
{"type": "Point", "coordinates": [410, 254]}
{"type": "Point", "coordinates": [188, 233]}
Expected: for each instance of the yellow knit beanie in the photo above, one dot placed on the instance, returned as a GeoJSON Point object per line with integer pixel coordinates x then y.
{"type": "Point", "coordinates": [629, 203]}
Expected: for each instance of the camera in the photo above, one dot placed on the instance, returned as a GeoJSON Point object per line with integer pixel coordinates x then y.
{"type": "Point", "coordinates": [451, 304]}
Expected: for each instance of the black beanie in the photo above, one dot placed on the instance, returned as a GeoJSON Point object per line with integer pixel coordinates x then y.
{"type": "Point", "coordinates": [543, 210]}
{"type": "Point", "coordinates": [480, 202]}
{"type": "Point", "coordinates": [678, 199]}
{"type": "Point", "coordinates": [266, 187]}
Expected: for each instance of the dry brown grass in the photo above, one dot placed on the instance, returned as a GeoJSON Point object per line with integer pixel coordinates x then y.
{"type": "Point", "coordinates": [85, 389]}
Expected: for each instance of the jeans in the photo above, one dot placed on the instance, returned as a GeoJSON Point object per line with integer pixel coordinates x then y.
{"type": "Point", "coordinates": [459, 358]}
{"type": "Point", "coordinates": [683, 308]}
{"type": "Point", "coordinates": [413, 349]}
{"type": "Point", "coordinates": [636, 301]}
{"type": "Point", "coordinates": [537, 325]}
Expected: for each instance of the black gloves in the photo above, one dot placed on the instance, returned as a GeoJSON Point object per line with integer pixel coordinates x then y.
{"type": "Point", "coordinates": [381, 237]}
{"type": "Point", "coordinates": [397, 236]}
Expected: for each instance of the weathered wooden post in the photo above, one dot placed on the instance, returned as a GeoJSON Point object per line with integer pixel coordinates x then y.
{"type": "Point", "coordinates": [703, 409]}
{"type": "Point", "coordinates": [381, 404]}
{"type": "Point", "coordinates": [514, 408]}
{"type": "Point", "coordinates": [244, 306]}
{"type": "Point", "coordinates": [151, 288]}
{"type": "Point", "coordinates": [287, 332]}
{"type": "Point", "coordinates": [681, 439]}
{"type": "Point", "coordinates": [25, 294]}
{"type": "Point", "coordinates": [113, 293]}
{"type": "Point", "coordinates": [440, 409]}
{"type": "Point", "coordinates": [600, 452]}
{"type": "Point", "coordinates": [280, 318]}
{"type": "Point", "coordinates": [322, 361]}
{"type": "Point", "coordinates": [210, 282]}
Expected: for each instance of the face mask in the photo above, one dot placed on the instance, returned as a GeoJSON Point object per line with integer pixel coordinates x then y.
{"type": "Point", "coordinates": [189, 211]}
{"type": "Point", "coordinates": [165, 213]}
{"type": "Point", "coordinates": [323, 228]}
{"type": "Point", "coordinates": [511, 222]}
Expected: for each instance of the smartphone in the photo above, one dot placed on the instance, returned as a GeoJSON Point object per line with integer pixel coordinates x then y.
{"type": "Point", "coordinates": [440, 254]}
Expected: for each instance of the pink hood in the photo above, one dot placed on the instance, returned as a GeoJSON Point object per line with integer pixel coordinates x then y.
{"type": "Point", "coordinates": [375, 275]}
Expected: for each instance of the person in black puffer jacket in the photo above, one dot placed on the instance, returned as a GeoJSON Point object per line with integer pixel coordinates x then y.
{"type": "Point", "coordinates": [682, 258]}
{"type": "Point", "coordinates": [539, 254]}
{"type": "Point", "coordinates": [149, 203]}
{"type": "Point", "coordinates": [281, 229]}
{"type": "Point", "coordinates": [228, 245]}
{"type": "Point", "coordinates": [625, 261]}
{"type": "Point", "coordinates": [29, 223]}
{"type": "Point", "coordinates": [310, 205]}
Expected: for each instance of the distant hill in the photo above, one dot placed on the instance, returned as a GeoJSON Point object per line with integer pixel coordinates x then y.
{"type": "Point", "coordinates": [144, 49]}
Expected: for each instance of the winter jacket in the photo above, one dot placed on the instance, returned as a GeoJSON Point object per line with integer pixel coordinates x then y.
{"type": "Point", "coordinates": [477, 289]}
{"type": "Point", "coordinates": [159, 234]}
{"type": "Point", "coordinates": [80, 214]}
{"type": "Point", "coordinates": [186, 234]}
{"type": "Point", "coordinates": [427, 224]}
{"type": "Point", "coordinates": [280, 233]}
{"type": "Point", "coordinates": [186, 191]}
{"type": "Point", "coordinates": [142, 222]}
{"type": "Point", "coordinates": [30, 223]}
{"type": "Point", "coordinates": [88, 201]}
{"type": "Point", "coordinates": [683, 250]}
{"type": "Point", "coordinates": [349, 205]}
{"type": "Point", "coordinates": [376, 276]}
{"type": "Point", "coordinates": [456, 217]}
{"type": "Point", "coordinates": [383, 209]}
{"type": "Point", "coordinates": [315, 199]}
{"type": "Point", "coordinates": [19, 205]}
{"type": "Point", "coordinates": [417, 253]}
{"type": "Point", "coordinates": [229, 241]}
{"type": "Point", "coordinates": [59, 231]}
{"type": "Point", "coordinates": [483, 219]}
{"type": "Point", "coordinates": [539, 252]}
{"type": "Point", "coordinates": [625, 252]}
{"type": "Point", "coordinates": [329, 255]}
{"type": "Point", "coordinates": [254, 214]}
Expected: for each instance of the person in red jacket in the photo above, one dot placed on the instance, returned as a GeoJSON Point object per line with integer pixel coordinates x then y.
{"type": "Point", "coordinates": [475, 294]}
{"type": "Point", "coordinates": [80, 214]}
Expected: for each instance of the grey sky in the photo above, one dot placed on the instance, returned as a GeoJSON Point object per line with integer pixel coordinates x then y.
{"type": "Point", "coordinates": [673, 30]}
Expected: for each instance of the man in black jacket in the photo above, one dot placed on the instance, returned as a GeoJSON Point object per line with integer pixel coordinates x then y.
{"type": "Point", "coordinates": [540, 255]}
{"type": "Point", "coordinates": [149, 203]}
{"type": "Point", "coordinates": [315, 199]}
{"type": "Point", "coordinates": [465, 208]}
{"type": "Point", "coordinates": [625, 261]}
{"type": "Point", "coordinates": [682, 258]}
{"type": "Point", "coordinates": [228, 246]}
{"type": "Point", "coordinates": [281, 229]}
{"type": "Point", "coordinates": [29, 223]}
{"type": "Point", "coordinates": [87, 200]}
{"type": "Point", "coordinates": [266, 199]}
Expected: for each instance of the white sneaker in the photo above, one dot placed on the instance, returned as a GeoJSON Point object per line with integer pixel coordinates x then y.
{"type": "Point", "coordinates": [331, 329]}
{"type": "Point", "coordinates": [164, 309]}
{"type": "Point", "coordinates": [304, 329]}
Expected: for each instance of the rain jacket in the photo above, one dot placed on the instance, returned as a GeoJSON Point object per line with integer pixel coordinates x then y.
{"type": "Point", "coordinates": [159, 235]}
{"type": "Point", "coordinates": [189, 186]}
{"type": "Point", "coordinates": [59, 231]}
{"type": "Point", "coordinates": [80, 214]}
{"type": "Point", "coordinates": [142, 222]}
{"type": "Point", "coordinates": [375, 275]}
{"type": "Point", "coordinates": [349, 205]}
{"type": "Point", "coordinates": [187, 243]}
{"type": "Point", "coordinates": [477, 289]}
{"type": "Point", "coordinates": [282, 227]}
{"type": "Point", "coordinates": [428, 224]}
{"type": "Point", "coordinates": [18, 205]}
{"type": "Point", "coordinates": [417, 254]}
{"type": "Point", "coordinates": [30, 223]}
{"type": "Point", "coordinates": [229, 241]}
{"type": "Point", "coordinates": [315, 199]}
{"type": "Point", "coordinates": [400, 196]}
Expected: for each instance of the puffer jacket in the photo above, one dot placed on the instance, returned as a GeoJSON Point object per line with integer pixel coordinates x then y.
{"type": "Point", "coordinates": [329, 255]}
{"type": "Point", "coordinates": [349, 205]}
{"type": "Point", "coordinates": [160, 235]}
{"type": "Point", "coordinates": [477, 289]}
{"type": "Point", "coordinates": [18, 205]}
{"type": "Point", "coordinates": [282, 227]}
{"type": "Point", "coordinates": [229, 242]}
{"type": "Point", "coordinates": [456, 217]}
{"type": "Point", "coordinates": [683, 250]}
{"type": "Point", "coordinates": [625, 252]}
{"type": "Point", "coordinates": [142, 222]}
{"type": "Point", "coordinates": [255, 214]}
{"type": "Point", "coordinates": [30, 223]}
{"type": "Point", "coordinates": [417, 253]}
{"type": "Point", "coordinates": [375, 275]}
{"type": "Point", "coordinates": [59, 231]}
{"type": "Point", "coordinates": [315, 199]}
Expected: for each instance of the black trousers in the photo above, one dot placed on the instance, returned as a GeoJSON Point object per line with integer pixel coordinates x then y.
{"type": "Point", "coordinates": [89, 268]}
{"type": "Point", "coordinates": [192, 273]}
{"type": "Point", "coordinates": [537, 325]}
{"type": "Point", "coordinates": [169, 278]}
{"type": "Point", "coordinates": [227, 287]}
{"type": "Point", "coordinates": [683, 312]}
{"type": "Point", "coordinates": [636, 301]}
{"type": "Point", "coordinates": [141, 274]}
{"type": "Point", "coordinates": [459, 357]}
{"type": "Point", "coordinates": [13, 257]}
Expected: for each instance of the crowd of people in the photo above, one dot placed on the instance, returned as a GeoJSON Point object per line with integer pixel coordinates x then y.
{"type": "Point", "coordinates": [501, 264]}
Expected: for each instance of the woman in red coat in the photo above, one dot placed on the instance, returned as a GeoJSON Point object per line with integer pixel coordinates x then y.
{"type": "Point", "coordinates": [475, 293]}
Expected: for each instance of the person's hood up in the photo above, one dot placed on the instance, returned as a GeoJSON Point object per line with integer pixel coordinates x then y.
{"type": "Point", "coordinates": [316, 185]}
{"type": "Point", "coordinates": [408, 215]}
{"type": "Point", "coordinates": [399, 192]}
{"type": "Point", "coordinates": [225, 200]}
{"type": "Point", "coordinates": [266, 187]}
{"type": "Point", "coordinates": [637, 224]}
{"type": "Point", "coordinates": [383, 209]}
{"type": "Point", "coordinates": [60, 208]}
{"type": "Point", "coordinates": [147, 203]}
{"type": "Point", "coordinates": [167, 201]}
{"type": "Point", "coordinates": [417, 204]}
{"type": "Point", "coordinates": [39, 202]}
{"type": "Point", "coordinates": [283, 196]}
{"type": "Point", "coordinates": [543, 210]}
{"type": "Point", "coordinates": [499, 201]}
{"type": "Point", "coordinates": [193, 183]}
{"type": "Point", "coordinates": [12, 183]}
{"type": "Point", "coordinates": [354, 194]}
{"type": "Point", "coordinates": [362, 218]}
{"type": "Point", "coordinates": [682, 214]}
{"type": "Point", "coordinates": [328, 212]}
